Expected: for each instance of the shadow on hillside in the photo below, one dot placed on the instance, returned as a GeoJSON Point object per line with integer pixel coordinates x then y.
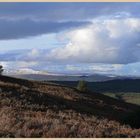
{"type": "Point", "coordinates": [126, 85]}
{"type": "Point", "coordinates": [111, 109]}
{"type": "Point", "coordinates": [88, 103]}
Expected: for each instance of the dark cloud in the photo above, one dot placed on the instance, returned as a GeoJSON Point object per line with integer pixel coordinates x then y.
{"type": "Point", "coordinates": [20, 20]}
{"type": "Point", "coordinates": [24, 28]}
{"type": "Point", "coordinates": [65, 11]}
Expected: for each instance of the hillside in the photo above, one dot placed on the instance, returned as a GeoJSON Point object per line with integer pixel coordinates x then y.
{"type": "Point", "coordinates": [63, 77]}
{"type": "Point", "coordinates": [127, 90]}
{"type": "Point", "coordinates": [68, 77]}
{"type": "Point", "coordinates": [43, 109]}
{"type": "Point", "coordinates": [119, 85]}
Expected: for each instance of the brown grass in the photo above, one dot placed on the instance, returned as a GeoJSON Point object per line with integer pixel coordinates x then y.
{"type": "Point", "coordinates": [41, 109]}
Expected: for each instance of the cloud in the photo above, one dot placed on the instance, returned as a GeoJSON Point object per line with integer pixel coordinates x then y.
{"type": "Point", "coordinates": [20, 20]}
{"type": "Point", "coordinates": [105, 67]}
{"type": "Point", "coordinates": [18, 64]}
{"type": "Point", "coordinates": [107, 40]}
{"type": "Point", "coordinates": [110, 40]}
{"type": "Point", "coordinates": [86, 37]}
{"type": "Point", "coordinates": [65, 11]}
{"type": "Point", "coordinates": [95, 68]}
{"type": "Point", "coordinates": [91, 68]}
{"type": "Point", "coordinates": [15, 29]}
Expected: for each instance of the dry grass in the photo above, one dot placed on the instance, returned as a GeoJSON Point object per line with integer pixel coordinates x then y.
{"type": "Point", "coordinates": [45, 110]}
{"type": "Point", "coordinates": [68, 123]}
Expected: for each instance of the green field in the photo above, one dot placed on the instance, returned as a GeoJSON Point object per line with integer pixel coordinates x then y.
{"type": "Point", "coordinates": [127, 97]}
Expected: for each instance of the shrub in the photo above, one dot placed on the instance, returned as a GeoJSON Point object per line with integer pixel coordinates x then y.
{"type": "Point", "coordinates": [1, 69]}
{"type": "Point", "coordinates": [82, 86]}
{"type": "Point", "coordinates": [119, 97]}
{"type": "Point", "coordinates": [133, 119]}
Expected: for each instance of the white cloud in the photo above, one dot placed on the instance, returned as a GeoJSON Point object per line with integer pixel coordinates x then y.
{"type": "Point", "coordinates": [105, 67]}
{"type": "Point", "coordinates": [33, 54]}
{"type": "Point", "coordinates": [4, 64]}
{"type": "Point", "coordinates": [18, 64]}
{"type": "Point", "coordinates": [95, 68]}
{"type": "Point", "coordinates": [106, 40]}
{"type": "Point", "coordinates": [108, 45]}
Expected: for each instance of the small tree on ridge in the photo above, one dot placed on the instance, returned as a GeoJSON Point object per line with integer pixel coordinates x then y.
{"type": "Point", "coordinates": [82, 86]}
{"type": "Point", "coordinates": [1, 69]}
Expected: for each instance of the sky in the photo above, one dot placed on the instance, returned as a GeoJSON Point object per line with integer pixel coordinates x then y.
{"type": "Point", "coordinates": [94, 37]}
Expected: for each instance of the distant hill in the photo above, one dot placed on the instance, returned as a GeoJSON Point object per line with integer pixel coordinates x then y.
{"type": "Point", "coordinates": [44, 109]}
{"type": "Point", "coordinates": [65, 77]}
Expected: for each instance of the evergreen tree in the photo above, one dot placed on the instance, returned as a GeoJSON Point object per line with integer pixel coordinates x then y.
{"type": "Point", "coordinates": [82, 85]}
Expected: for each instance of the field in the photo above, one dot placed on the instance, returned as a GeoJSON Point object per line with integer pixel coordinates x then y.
{"type": "Point", "coordinates": [133, 98]}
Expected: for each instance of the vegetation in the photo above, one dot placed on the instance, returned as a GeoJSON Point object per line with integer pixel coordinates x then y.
{"type": "Point", "coordinates": [82, 86]}
{"type": "Point", "coordinates": [133, 116]}
{"type": "Point", "coordinates": [133, 98]}
{"type": "Point", "coordinates": [125, 90]}
{"type": "Point", "coordinates": [112, 86]}
{"type": "Point", "coordinates": [41, 109]}
{"type": "Point", "coordinates": [1, 69]}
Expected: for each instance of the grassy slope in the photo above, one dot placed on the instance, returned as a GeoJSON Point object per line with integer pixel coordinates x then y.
{"type": "Point", "coordinates": [128, 89]}
{"type": "Point", "coordinates": [37, 109]}
{"type": "Point", "coordinates": [133, 98]}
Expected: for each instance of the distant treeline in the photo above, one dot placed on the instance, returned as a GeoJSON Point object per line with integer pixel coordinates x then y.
{"type": "Point", "coordinates": [125, 85]}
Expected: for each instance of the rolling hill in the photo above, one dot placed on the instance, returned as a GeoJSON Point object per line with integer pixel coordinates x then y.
{"type": "Point", "coordinates": [44, 109]}
{"type": "Point", "coordinates": [40, 76]}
